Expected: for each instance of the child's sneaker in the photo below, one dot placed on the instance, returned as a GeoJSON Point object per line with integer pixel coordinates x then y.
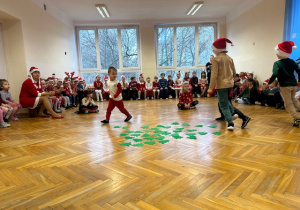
{"type": "Point", "coordinates": [170, 96]}
{"type": "Point", "coordinates": [234, 117]}
{"type": "Point", "coordinates": [198, 95]}
{"type": "Point", "coordinates": [230, 127]}
{"type": "Point", "coordinates": [86, 112]}
{"type": "Point", "coordinates": [3, 125]}
{"type": "Point", "coordinates": [14, 118]}
{"type": "Point", "coordinates": [105, 121]}
{"type": "Point", "coordinates": [296, 122]}
{"type": "Point", "coordinates": [7, 124]}
{"type": "Point", "coordinates": [97, 110]}
{"type": "Point", "coordinates": [245, 122]}
{"type": "Point", "coordinates": [128, 118]}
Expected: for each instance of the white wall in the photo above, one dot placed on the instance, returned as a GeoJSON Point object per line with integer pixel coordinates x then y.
{"type": "Point", "coordinates": [45, 40]}
{"type": "Point", "coordinates": [3, 74]}
{"type": "Point", "coordinates": [255, 34]}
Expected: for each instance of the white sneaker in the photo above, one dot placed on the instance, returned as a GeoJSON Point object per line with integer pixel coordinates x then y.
{"type": "Point", "coordinates": [167, 98]}
{"type": "Point", "coordinates": [4, 125]}
{"type": "Point", "coordinates": [7, 124]}
{"type": "Point", "coordinates": [97, 100]}
{"type": "Point", "coordinates": [198, 95]}
{"type": "Point", "coordinates": [234, 117]}
{"type": "Point", "coordinates": [170, 96]}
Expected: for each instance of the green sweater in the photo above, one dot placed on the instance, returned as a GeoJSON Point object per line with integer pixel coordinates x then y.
{"type": "Point", "coordinates": [284, 70]}
{"type": "Point", "coordinates": [247, 93]}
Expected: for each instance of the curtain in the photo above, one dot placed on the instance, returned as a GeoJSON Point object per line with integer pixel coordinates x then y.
{"type": "Point", "coordinates": [292, 25]}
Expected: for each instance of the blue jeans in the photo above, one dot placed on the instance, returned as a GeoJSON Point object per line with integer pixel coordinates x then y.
{"type": "Point", "coordinates": [225, 105]}
{"type": "Point", "coordinates": [164, 93]}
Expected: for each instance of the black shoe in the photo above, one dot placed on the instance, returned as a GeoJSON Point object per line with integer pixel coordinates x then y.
{"type": "Point", "coordinates": [230, 127]}
{"type": "Point", "coordinates": [74, 105]}
{"type": "Point", "coordinates": [5, 120]}
{"type": "Point", "coordinates": [245, 122]}
{"type": "Point", "coordinates": [105, 121]}
{"type": "Point", "coordinates": [296, 122]}
{"type": "Point", "coordinates": [220, 119]}
{"type": "Point", "coordinates": [128, 118]}
{"type": "Point", "coordinates": [278, 106]}
{"type": "Point", "coordinates": [282, 108]}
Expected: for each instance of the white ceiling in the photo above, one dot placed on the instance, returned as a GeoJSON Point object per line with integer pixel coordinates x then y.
{"type": "Point", "coordinates": [125, 10]}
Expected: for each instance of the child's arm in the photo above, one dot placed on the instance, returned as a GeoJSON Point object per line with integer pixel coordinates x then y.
{"type": "Point", "coordinates": [95, 85]}
{"type": "Point", "coordinates": [275, 73]}
{"type": "Point", "coordinates": [214, 74]}
{"type": "Point", "coordinates": [243, 92]}
{"type": "Point", "coordinates": [181, 98]}
{"type": "Point", "coordinates": [118, 91]}
{"type": "Point", "coordinates": [85, 102]}
{"type": "Point", "coordinates": [3, 98]}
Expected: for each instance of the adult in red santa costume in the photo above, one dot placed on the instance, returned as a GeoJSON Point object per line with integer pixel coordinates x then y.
{"type": "Point", "coordinates": [32, 95]}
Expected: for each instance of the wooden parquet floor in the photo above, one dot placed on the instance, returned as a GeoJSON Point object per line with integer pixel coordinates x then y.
{"type": "Point", "coordinates": [77, 163]}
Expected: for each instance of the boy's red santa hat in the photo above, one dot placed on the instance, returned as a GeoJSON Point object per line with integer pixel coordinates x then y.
{"type": "Point", "coordinates": [33, 69]}
{"type": "Point", "coordinates": [285, 48]}
{"type": "Point", "coordinates": [53, 75]}
{"type": "Point", "coordinates": [220, 44]}
{"type": "Point", "coordinates": [106, 78]}
{"type": "Point", "coordinates": [266, 81]}
{"type": "Point", "coordinates": [75, 78]}
{"type": "Point", "coordinates": [80, 79]}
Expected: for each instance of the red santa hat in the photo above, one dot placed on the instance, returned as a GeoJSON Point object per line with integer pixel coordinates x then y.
{"type": "Point", "coordinates": [141, 75]}
{"type": "Point", "coordinates": [106, 78]}
{"type": "Point", "coordinates": [266, 81]}
{"type": "Point", "coordinates": [80, 79]}
{"type": "Point", "coordinates": [220, 44]}
{"type": "Point", "coordinates": [59, 80]}
{"type": "Point", "coordinates": [53, 75]}
{"type": "Point", "coordinates": [33, 69]}
{"type": "Point", "coordinates": [75, 78]}
{"type": "Point", "coordinates": [285, 48]}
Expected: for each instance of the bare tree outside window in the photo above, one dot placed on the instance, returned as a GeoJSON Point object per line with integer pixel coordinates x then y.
{"type": "Point", "coordinates": [166, 46]}
{"type": "Point", "coordinates": [129, 47]}
{"type": "Point", "coordinates": [109, 48]}
{"type": "Point", "coordinates": [88, 49]}
{"type": "Point", "coordinates": [206, 39]}
{"type": "Point", "coordinates": [185, 46]}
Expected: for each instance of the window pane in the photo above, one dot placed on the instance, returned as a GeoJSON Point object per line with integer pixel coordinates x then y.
{"type": "Point", "coordinates": [206, 39]}
{"type": "Point", "coordinates": [91, 77]}
{"type": "Point", "coordinates": [88, 49]}
{"type": "Point", "coordinates": [109, 49]}
{"type": "Point", "coordinates": [129, 48]}
{"type": "Point", "coordinates": [166, 46]}
{"type": "Point", "coordinates": [185, 46]}
{"type": "Point", "coordinates": [128, 75]}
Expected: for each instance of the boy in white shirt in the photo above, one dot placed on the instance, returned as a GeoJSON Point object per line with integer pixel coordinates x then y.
{"type": "Point", "coordinates": [115, 97]}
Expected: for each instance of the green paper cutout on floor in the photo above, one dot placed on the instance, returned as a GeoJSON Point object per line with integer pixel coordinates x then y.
{"type": "Point", "coordinates": [202, 133]}
{"type": "Point", "coordinates": [138, 132]}
{"type": "Point", "coordinates": [117, 127]}
{"type": "Point", "coordinates": [166, 133]}
{"type": "Point", "coordinates": [175, 123]}
{"type": "Point", "coordinates": [125, 127]}
{"type": "Point", "coordinates": [177, 131]}
{"type": "Point", "coordinates": [163, 141]}
{"type": "Point", "coordinates": [149, 142]}
{"type": "Point", "coordinates": [212, 126]}
{"type": "Point", "coordinates": [160, 137]}
{"type": "Point", "coordinates": [167, 127]}
{"type": "Point", "coordinates": [145, 127]}
{"type": "Point", "coordinates": [135, 134]}
{"type": "Point", "coordinates": [125, 144]}
{"type": "Point", "coordinates": [154, 128]}
{"type": "Point", "coordinates": [160, 126]}
{"type": "Point", "coordinates": [156, 134]}
{"type": "Point", "coordinates": [148, 138]}
{"type": "Point", "coordinates": [128, 137]}
{"type": "Point", "coordinates": [148, 131]}
{"type": "Point", "coordinates": [192, 137]}
{"type": "Point", "coordinates": [199, 126]}
{"type": "Point", "coordinates": [185, 124]}
{"type": "Point", "coordinates": [180, 129]}
{"type": "Point", "coordinates": [129, 131]}
{"type": "Point", "coordinates": [191, 130]}
{"type": "Point", "coordinates": [191, 134]}
{"type": "Point", "coordinates": [146, 135]}
{"type": "Point", "coordinates": [138, 145]}
{"type": "Point", "coordinates": [123, 134]}
{"type": "Point", "coordinates": [137, 140]}
{"type": "Point", "coordinates": [217, 133]}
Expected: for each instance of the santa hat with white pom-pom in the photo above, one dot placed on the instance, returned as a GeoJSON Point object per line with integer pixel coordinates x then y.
{"type": "Point", "coordinates": [285, 48]}
{"type": "Point", "coordinates": [220, 44]}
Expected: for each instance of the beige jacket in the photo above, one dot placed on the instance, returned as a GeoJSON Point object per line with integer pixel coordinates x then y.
{"type": "Point", "coordinates": [222, 72]}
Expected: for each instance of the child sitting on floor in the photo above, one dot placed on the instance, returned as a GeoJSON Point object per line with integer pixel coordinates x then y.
{"type": "Point", "coordinates": [156, 90]}
{"type": "Point", "coordinates": [163, 86]}
{"type": "Point", "coordinates": [250, 94]}
{"type": "Point", "coordinates": [171, 87]}
{"type": "Point", "coordinates": [185, 98]}
{"type": "Point", "coordinates": [149, 88]}
{"type": "Point", "coordinates": [87, 104]}
{"type": "Point", "coordinates": [125, 87]}
{"type": "Point", "coordinates": [7, 99]}
{"type": "Point", "coordinates": [178, 84]}
{"type": "Point", "coordinates": [141, 87]}
{"type": "Point", "coordinates": [133, 88]}
{"type": "Point", "coordinates": [203, 83]}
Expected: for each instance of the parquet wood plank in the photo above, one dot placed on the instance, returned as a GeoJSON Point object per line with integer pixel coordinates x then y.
{"type": "Point", "coordinates": [77, 163]}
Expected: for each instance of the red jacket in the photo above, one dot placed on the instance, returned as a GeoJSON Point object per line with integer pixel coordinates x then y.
{"type": "Point", "coordinates": [30, 94]}
{"type": "Point", "coordinates": [185, 98]}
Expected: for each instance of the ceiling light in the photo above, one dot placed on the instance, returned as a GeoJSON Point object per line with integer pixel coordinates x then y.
{"type": "Point", "coordinates": [195, 8]}
{"type": "Point", "coordinates": [102, 10]}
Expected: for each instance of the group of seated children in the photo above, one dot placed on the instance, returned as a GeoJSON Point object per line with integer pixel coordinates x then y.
{"type": "Point", "coordinates": [248, 91]}
{"type": "Point", "coordinates": [8, 107]}
{"type": "Point", "coordinates": [158, 89]}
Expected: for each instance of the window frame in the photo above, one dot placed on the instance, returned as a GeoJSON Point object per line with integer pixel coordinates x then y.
{"type": "Point", "coordinates": [118, 27]}
{"type": "Point", "coordinates": [185, 68]}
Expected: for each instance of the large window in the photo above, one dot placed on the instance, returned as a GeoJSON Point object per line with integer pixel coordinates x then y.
{"type": "Point", "coordinates": [100, 48]}
{"type": "Point", "coordinates": [184, 47]}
